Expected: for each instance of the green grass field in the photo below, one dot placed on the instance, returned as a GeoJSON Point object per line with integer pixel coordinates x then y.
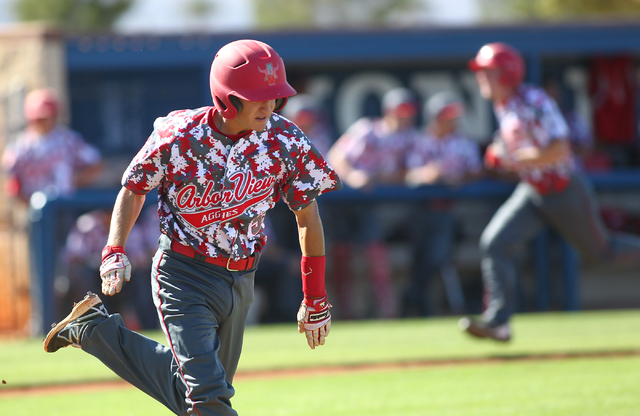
{"type": "Point", "coordinates": [558, 364]}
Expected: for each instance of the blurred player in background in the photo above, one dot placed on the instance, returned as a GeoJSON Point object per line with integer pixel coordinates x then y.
{"type": "Point", "coordinates": [370, 153]}
{"type": "Point", "coordinates": [218, 170]}
{"type": "Point", "coordinates": [442, 155]}
{"type": "Point", "coordinates": [533, 141]}
{"type": "Point", "coordinates": [304, 110]}
{"type": "Point", "coordinates": [81, 258]}
{"type": "Point", "coordinates": [580, 135]}
{"type": "Point", "coordinates": [47, 156]}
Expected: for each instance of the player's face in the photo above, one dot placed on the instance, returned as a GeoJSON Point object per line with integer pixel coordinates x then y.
{"type": "Point", "coordinates": [44, 125]}
{"type": "Point", "coordinates": [488, 80]}
{"type": "Point", "coordinates": [405, 123]}
{"type": "Point", "coordinates": [254, 115]}
{"type": "Point", "coordinates": [448, 126]}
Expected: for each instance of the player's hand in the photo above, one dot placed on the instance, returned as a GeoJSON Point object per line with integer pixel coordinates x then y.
{"type": "Point", "coordinates": [427, 174]}
{"type": "Point", "coordinates": [497, 158]}
{"type": "Point", "coordinates": [493, 156]}
{"type": "Point", "coordinates": [314, 320]}
{"type": "Point", "coordinates": [358, 179]}
{"type": "Point", "coordinates": [114, 270]}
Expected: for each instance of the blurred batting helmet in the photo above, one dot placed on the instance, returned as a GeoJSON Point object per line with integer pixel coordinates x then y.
{"type": "Point", "coordinates": [443, 105]}
{"type": "Point", "coordinates": [401, 102]}
{"type": "Point", "coordinates": [251, 70]}
{"type": "Point", "coordinates": [41, 103]}
{"type": "Point", "coordinates": [302, 107]}
{"type": "Point", "coordinates": [501, 56]}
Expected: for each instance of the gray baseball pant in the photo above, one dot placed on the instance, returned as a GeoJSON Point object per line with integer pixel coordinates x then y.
{"type": "Point", "coordinates": [573, 213]}
{"type": "Point", "coordinates": [203, 310]}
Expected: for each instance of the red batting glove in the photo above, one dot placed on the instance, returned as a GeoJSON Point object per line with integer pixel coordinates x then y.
{"type": "Point", "coordinates": [314, 320]}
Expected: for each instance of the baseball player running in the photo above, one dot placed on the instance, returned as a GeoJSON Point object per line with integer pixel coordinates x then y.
{"type": "Point", "coordinates": [532, 142]}
{"type": "Point", "coordinates": [48, 156]}
{"type": "Point", "coordinates": [218, 170]}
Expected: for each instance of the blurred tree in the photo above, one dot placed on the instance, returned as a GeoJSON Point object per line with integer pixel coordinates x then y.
{"type": "Point", "coordinates": [296, 14]}
{"type": "Point", "coordinates": [199, 8]}
{"type": "Point", "coordinates": [73, 15]}
{"type": "Point", "coordinates": [199, 13]}
{"type": "Point", "coordinates": [560, 9]}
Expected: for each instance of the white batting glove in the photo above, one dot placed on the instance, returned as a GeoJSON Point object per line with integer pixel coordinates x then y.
{"type": "Point", "coordinates": [314, 320]}
{"type": "Point", "coordinates": [115, 269]}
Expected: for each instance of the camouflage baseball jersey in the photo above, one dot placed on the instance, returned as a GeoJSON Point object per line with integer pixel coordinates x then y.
{"type": "Point", "coordinates": [213, 191]}
{"type": "Point", "coordinates": [368, 145]}
{"type": "Point", "coordinates": [39, 162]}
{"type": "Point", "coordinates": [456, 154]}
{"type": "Point", "coordinates": [538, 120]}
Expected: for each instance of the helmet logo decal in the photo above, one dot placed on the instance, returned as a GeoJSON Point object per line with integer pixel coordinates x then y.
{"type": "Point", "coordinates": [270, 73]}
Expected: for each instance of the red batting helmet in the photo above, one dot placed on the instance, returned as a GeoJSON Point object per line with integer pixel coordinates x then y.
{"type": "Point", "coordinates": [41, 103]}
{"type": "Point", "coordinates": [251, 70]}
{"type": "Point", "coordinates": [504, 57]}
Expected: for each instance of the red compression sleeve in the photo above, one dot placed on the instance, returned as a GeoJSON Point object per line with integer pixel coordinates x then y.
{"type": "Point", "coordinates": [313, 276]}
{"type": "Point", "coordinates": [109, 250]}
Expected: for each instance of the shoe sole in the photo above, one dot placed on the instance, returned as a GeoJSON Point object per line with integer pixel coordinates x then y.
{"type": "Point", "coordinates": [78, 310]}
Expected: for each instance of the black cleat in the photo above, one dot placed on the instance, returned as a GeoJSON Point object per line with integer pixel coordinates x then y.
{"type": "Point", "coordinates": [69, 330]}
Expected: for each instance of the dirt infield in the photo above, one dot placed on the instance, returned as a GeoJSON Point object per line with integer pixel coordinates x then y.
{"type": "Point", "coordinates": [89, 386]}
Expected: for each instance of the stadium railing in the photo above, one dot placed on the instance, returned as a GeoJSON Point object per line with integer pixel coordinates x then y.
{"type": "Point", "coordinates": [44, 214]}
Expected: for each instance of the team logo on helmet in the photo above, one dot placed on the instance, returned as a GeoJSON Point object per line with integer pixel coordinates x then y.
{"type": "Point", "coordinates": [270, 73]}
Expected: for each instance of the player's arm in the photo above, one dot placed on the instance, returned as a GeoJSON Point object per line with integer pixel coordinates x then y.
{"type": "Point", "coordinates": [115, 268]}
{"type": "Point", "coordinates": [428, 174]}
{"type": "Point", "coordinates": [12, 183]}
{"type": "Point", "coordinates": [125, 213]}
{"type": "Point", "coordinates": [557, 151]}
{"type": "Point", "coordinates": [88, 174]}
{"type": "Point", "coordinates": [13, 187]}
{"type": "Point", "coordinates": [314, 316]}
{"type": "Point", "coordinates": [310, 231]}
{"type": "Point", "coordinates": [354, 178]}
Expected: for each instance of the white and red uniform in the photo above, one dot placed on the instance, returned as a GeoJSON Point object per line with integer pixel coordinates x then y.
{"type": "Point", "coordinates": [214, 192]}
{"type": "Point", "coordinates": [530, 118]}
{"type": "Point", "coordinates": [38, 162]}
{"type": "Point", "coordinates": [434, 224]}
{"type": "Point", "coordinates": [369, 145]}
{"type": "Point", "coordinates": [555, 195]}
{"type": "Point", "coordinates": [456, 154]}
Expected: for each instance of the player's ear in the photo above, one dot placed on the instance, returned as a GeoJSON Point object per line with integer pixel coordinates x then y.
{"type": "Point", "coordinates": [236, 102]}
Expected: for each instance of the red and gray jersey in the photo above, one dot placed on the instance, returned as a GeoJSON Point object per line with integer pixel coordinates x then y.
{"type": "Point", "coordinates": [531, 118]}
{"type": "Point", "coordinates": [369, 145]}
{"type": "Point", "coordinates": [51, 160]}
{"type": "Point", "coordinates": [457, 155]}
{"type": "Point", "coordinates": [213, 191]}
